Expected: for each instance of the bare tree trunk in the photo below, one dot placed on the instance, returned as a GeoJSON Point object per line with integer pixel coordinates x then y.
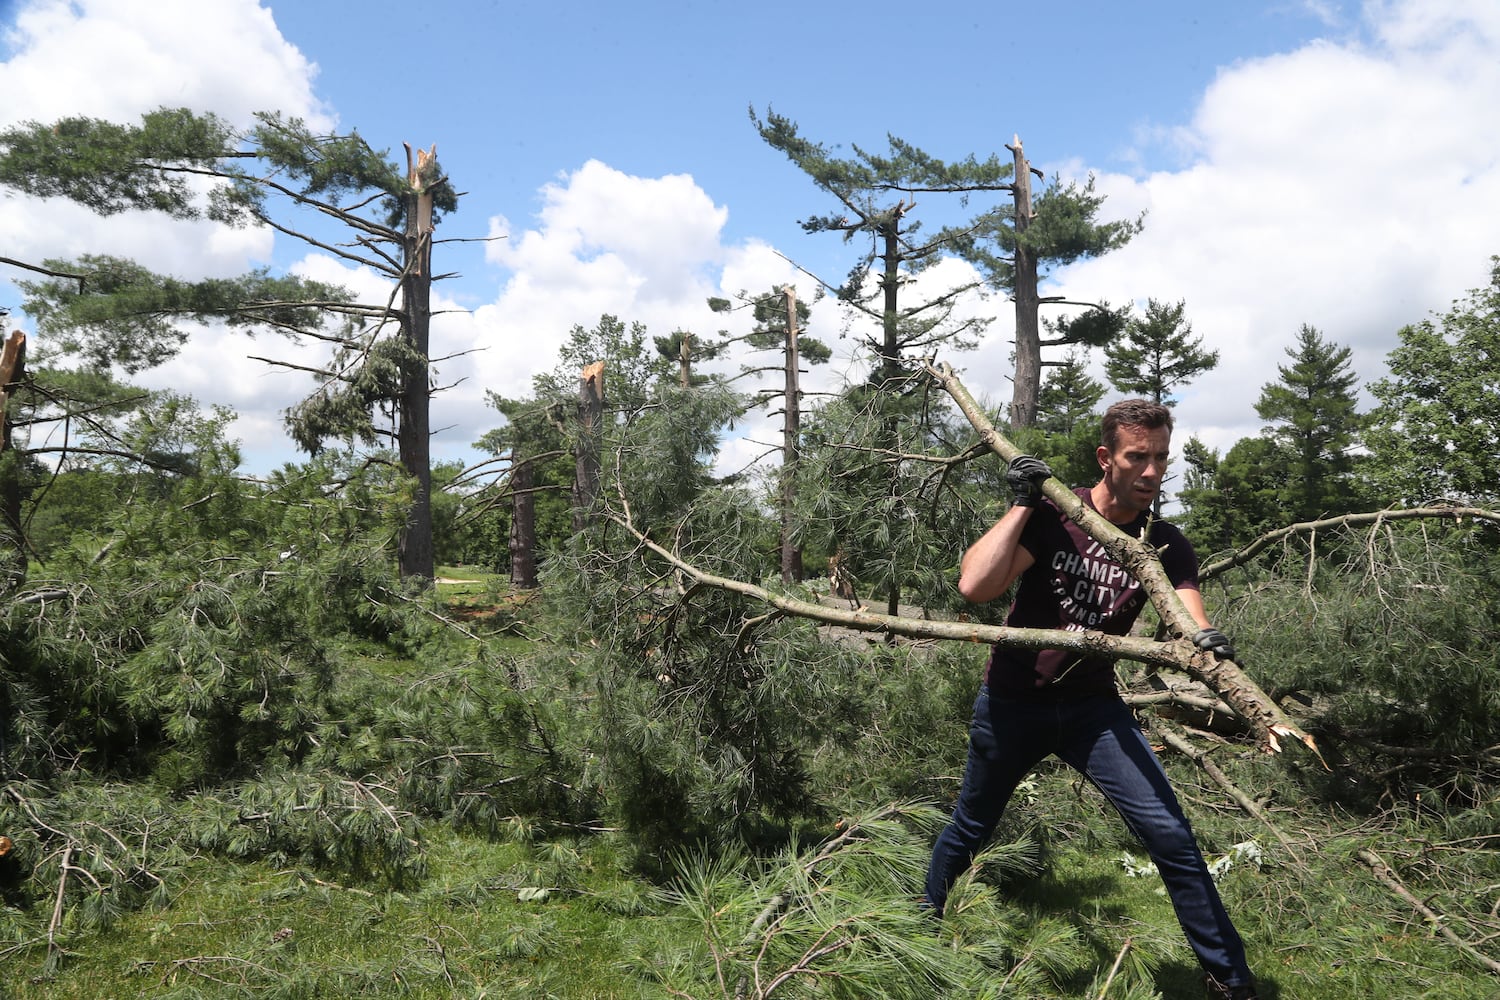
{"type": "Point", "coordinates": [12, 542]}
{"type": "Point", "coordinates": [1027, 388]}
{"type": "Point", "coordinates": [413, 439]}
{"type": "Point", "coordinates": [685, 360]}
{"type": "Point", "coordinates": [791, 555]}
{"type": "Point", "coordinates": [890, 353]}
{"type": "Point", "coordinates": [586, 466]}
{"type": "Point", "coordinates": [522, 524]}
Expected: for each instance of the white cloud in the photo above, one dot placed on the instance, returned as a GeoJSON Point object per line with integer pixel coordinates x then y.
{"type": "Point", "coordinates": [115, 59]}
{"type": "Point", "coordinates": [645, 250]}
{"type": "Point", "coordinates": [1347, 186]}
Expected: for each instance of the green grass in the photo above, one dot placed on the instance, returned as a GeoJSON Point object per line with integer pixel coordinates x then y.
{"type": "Point", "coordinates": [478, 926]}
{"type": "Point", "coordinates": [566, 919]}
{"type": "Point", "coordinates": [569, 918]}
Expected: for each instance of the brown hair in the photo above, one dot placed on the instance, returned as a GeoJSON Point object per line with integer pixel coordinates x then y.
{"type": "Point", "coordinates": [1132, 413]}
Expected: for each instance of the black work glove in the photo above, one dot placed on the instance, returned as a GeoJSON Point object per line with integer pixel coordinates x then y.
{"type": "Point", "coordinates": [1025, 474]}
{"type": "Point", "coordinates": [1214, 641]}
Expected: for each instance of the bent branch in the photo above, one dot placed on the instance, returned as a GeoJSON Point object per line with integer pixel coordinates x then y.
{"type": "Point", "coordinates": [1241, 556]}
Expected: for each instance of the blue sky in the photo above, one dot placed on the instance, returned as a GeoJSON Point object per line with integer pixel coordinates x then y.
{"type": "Point", "coordinates": [1306, 161]}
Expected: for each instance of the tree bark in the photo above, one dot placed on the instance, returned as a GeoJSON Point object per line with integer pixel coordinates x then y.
{"type": "Point", "coordinates": [791, 434]}
{"type": "Point", "coordinates": [586, 466]}
{"type": "Point", "coordinates": [1027, 388]}
{"type": "Point", "coordinates": [13, 562]}
{"type": "Point", "coordinates": [413, 435]}
{"type": "Point", "coordinates": [522, 524]}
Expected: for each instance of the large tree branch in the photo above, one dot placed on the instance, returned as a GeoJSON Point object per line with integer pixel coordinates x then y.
{"type": "Point", "coordinates": [1241, 556]}
{"type": "Point", "coordinates": [1265, 718]}
{"type": "Point", "coordinates": [1139, 649]}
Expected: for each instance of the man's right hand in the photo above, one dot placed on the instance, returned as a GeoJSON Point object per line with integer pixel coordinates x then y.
{"type": "Point", "coordinates": [1025, 474]}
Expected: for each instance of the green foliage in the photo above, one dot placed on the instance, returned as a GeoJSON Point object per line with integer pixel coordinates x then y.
{"type": "Point", "coordinates": [1313, 416]}
{"type": "Point", "coordinates": [1436, 431]}
{"type": "Point", "coordinates": [112, 168]}
{"type": "Point", "coordinates": [1233, 500]}
{"type": "Point", "coordinates": [119, 314]}
{"type": "Point", "coordinates": [1064, 229]}
{"type": "Point", "coordinates": [1068, 420]}
{"type": "Point", "coordinates": [1391, 647]}
{"type": "Point", "coordinates": [1157, 353]}
{"type": "Point", "coordinates": [865, 489]}
{"type": "Point", "coordinates": [1304, 465]}
{"type": "Point", "coordinates": [862, 187]}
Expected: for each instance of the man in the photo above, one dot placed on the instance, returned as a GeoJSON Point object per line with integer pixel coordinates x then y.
{"type": "Point", "coordinates": [1036, 703]}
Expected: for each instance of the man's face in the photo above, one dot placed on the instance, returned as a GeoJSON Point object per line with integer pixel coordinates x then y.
{"type": "Point", "coordinates": [1134, 470]}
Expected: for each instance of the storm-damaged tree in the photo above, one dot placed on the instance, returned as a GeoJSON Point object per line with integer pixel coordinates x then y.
{"type": "Point", "coordinates": [780, 325]}
{"type": "Point", "coordinates": [1017, 245]}
{"type": "Point", "coordinates": [349, 201]}
{"type": "Point", "coordinates": [875, 196]}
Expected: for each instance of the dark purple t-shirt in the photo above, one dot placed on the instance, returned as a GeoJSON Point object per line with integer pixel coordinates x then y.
{"type": "Point", "coordinates": [1076, 585]}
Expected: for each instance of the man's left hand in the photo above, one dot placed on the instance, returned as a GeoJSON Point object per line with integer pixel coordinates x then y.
{"type": "Point", "coordinates": [1214, 641]}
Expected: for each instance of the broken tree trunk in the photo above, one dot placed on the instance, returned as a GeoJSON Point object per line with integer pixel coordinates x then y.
{"type": "Point", "coordinates": [586, 466]}
{"type": "Point", "coordinates": [13, 561]}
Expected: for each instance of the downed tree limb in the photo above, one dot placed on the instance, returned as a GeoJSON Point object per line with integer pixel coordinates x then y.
{"type": "Point", "coordinates": [1139, 649]}
{"type": "Point", "coordinates": [1388, 877]}
{"type": "Point", "coordinates": [1173, 738]}
{"type": "Point", "coordinates": [1265, 718]}
{"type": "Point", "coordinates": [1243, 555]}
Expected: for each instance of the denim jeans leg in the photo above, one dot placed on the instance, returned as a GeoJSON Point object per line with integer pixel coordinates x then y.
{"type": "Point", "coordinates": [1002, 748]}
{"type": "Point", "coordinates": [1119, 761]}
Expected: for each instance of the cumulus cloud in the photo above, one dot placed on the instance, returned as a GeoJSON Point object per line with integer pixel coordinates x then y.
{"type": "Point", "coordinates": [1342, 185]}
{"type": "Point", "coordinates": [1346, 184]}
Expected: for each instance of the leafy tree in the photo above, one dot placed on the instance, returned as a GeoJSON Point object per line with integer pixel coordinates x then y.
{"type": "Point", "coordinates": [1068, 419]}
{"type": "Point", "coordinates": [1229, 501]}
{"type": "Point", "coordinates": [120, 314]}
{"type": "Point", "coordinates": [1313, 410]}
{"type": "Point", "coordinates": [1436, 430]}
{"type": "Point", "coordinates": [1156, 353]}
{"type": "Point", "coordinates": [875, 195]}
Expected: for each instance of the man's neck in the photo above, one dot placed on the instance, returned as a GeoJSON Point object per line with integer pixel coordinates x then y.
{"type": "Point", "coordinates": [1109, 508]}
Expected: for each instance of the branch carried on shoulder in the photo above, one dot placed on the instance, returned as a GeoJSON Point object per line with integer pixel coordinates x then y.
{"type": "Point", "coordinates": [1266, 719]}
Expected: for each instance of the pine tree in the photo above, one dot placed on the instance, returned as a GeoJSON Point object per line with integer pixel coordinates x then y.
{"type": "Point", "coordinates": [1156, 353]}
{"type": "Point", "coordinates": [1314, 418]}
{"type": "Point", "coordinates": [126, 316]}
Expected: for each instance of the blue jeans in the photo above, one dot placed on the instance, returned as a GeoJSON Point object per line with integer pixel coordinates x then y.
{"type": "Point", "coordinates": [1097, 736]}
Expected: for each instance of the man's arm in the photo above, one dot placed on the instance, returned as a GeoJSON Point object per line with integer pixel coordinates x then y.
{"type": "Point", "coordinates": [1207, 637]}
{"type": "Point", "coordinates": [1192, 599]}
{"type": "Point", "coordinates": [992, 564]}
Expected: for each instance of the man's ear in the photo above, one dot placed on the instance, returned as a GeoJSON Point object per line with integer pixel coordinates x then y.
{"type": "Point", "coordinates": [1102, 454]}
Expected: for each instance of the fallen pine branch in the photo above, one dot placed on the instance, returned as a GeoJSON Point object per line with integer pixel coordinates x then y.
{"type": "Point", "coordinates": [1387, 876]}
{"type": "Point", "coordinates": [1243, 555]}
{"type": "Point", "coordinates": [1177, 741]}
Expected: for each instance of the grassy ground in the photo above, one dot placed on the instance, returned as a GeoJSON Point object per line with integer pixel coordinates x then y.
{"type": "Point", "coordinates": [569, 918]}
{"type": "Point", "coordinates": [479, 926]}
